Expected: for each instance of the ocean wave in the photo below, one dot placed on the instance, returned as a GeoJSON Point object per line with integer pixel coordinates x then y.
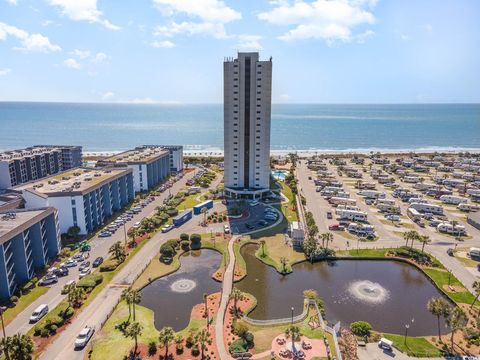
{"type": "Point", "coordinates": [140, 126]}
{"type": "Point", "coordinates": [340, 117]}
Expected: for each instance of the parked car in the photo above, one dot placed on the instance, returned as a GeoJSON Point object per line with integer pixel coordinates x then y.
{"type": "Point", "coordinates": [78, 257]}
{"type": "Point", "coordinates": [84, 337]}
{"type": "Point", "coordinates": [97, 262]}
{"type": "Point", "coordinates": [336, 227]}
{"type": "Point", "coordinates": [226, 228]}
{"type": "Point", "coordinates": [84, 272]}
{"type": "Point", "coordinates": [262, 223]}
{"type": "Point", "coordinates": [105, 234]}
{"type": "Point", "coordinates": [48, 280]}
{"type": "Point", "coordinates": [61, 271]}
{"type": "Point", "coordinates": [254, 203]}
{"type": "Point", "coordinates": [392, 217]}
{"type": "Point", "coordinates": [249, 226]}
{"type": "Point", "coordinates": [450, 251]}
{"type": "Point", "coordinates": [167, 228]}
{"type": "Point", "coordinates": [69, 263]}
{"type": "Point", "coordinates": [329, 215]}
{"type": "Point", "coordinates": [39, 312]}
{"type": "Point", "coordinates": [84, 265]}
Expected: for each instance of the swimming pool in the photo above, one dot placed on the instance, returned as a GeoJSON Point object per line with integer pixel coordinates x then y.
{"type": "Point", "coordinates": [279, 174]}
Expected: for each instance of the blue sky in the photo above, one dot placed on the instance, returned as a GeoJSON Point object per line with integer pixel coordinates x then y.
{"type": "Point", "coordinates": [171, 51]}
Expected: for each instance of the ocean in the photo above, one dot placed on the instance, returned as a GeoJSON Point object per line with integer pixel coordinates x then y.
{"type": "Point", "coordinates": [299, 127]}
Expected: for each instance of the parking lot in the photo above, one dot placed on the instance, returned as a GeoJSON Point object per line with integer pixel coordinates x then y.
{"type": "Point", "coordinates": [253, 218]}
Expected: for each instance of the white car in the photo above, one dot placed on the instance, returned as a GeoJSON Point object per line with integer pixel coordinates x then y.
{"type": "Point", "coordinates": [226, 229]}
{"type": "Point", "coordinates": [69, 263]}
{"type": "Point", "coordinates": [136, 225]}
{"type": "Point", "coordinates": [84, 272]}
{"type": "Point", "coordinates": [254, 203]}
{"type": "Point", "coordinates": [83, 337]}
{"type": "Point", "coordinates": [167, 228]}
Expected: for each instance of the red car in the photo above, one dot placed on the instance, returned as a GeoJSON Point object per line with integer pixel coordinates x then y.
{"type": "Point", "coordinates": [336, 227]}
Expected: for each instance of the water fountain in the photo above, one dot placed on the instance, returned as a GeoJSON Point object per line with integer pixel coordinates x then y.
{"type": "Point", "coordinates": [368, 291]}
{"type": "Point", "coordinates": [183, 285]}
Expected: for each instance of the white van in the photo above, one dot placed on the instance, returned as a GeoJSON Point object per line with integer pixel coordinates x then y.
{"type": "Point", "coordinates": [38, 313]}
{"type": "Point", "coordinates": [385, 344]}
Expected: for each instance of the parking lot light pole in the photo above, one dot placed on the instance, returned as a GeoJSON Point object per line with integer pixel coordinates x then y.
{"type": "Point", "coordinates": [125, 233]}
{"type": "Point", "coordinates": [2, 310]}
{"type": "Point", "coordinates": [292, 315]}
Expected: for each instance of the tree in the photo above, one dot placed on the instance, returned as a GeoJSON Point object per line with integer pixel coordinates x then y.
{"type": "Point", "coordinates": [165, 336]}
{"type": "Point", "coordinates": [456, 321]}
{"type": "Point", "coordinates": [476, 290]}
{"type": "Point", "coordinates": [283, 261]}
{"type": "Point", "coordinates": [236, 295]}
{"type": "Point", "coordinates": [75, 295]}
{"type": "Point", "coordinates": [134, 330]}
{"type": "Point", "coordinates": [326, 238]}
{"type": "Point", "coordinates": [310, 294]}
{"type": "Point", "coordinates": [262, 243]}
{"type": "Point", "coordinates": [136, 297]}
{"type": "Point", "coordinates": [73, 231]}
{"type": "Point", "coordinates": [309, 247]}
{"type": "Point", "coordinates": [440, 308]}
{"type": "Point", "coordinates": [424, 240]}
{"type": "Point", "coordinates": [204, 212]}
{"type": "Point", "coordinates": [361, 328]}
{"type": "Point", "coordinates": [126, 295]}
{"type": "Point", "coordinates": [204, 338]}
{"type": "Point", "coordinates": [118, 252]}
{"type": "Point", "coordinates": [17, 347]}
{"type": "Point", "coordinates": [293, 331]}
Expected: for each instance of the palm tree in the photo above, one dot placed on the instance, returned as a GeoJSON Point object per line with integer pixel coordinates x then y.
{"type": "Point", "coordinates": [75, 295]}
{"type": "Point", "coordinates": [127, 297]}
{"type": "Point", "coordinates": [204, 338]}
{"type": "Point", "coordinates": [283, 261]}
{"type": "Point", "coordinates": [134, 330]}
{"type": "Point", "coordinates": [424, 240]}
{"type": "Point", "coordinates": [165, 336]}
{"type": "Point", "coordinates": [326, 238]}
{"type": "Point", "coordinates": [136, 297]}
{"type": "Point", "coordinates": [415, 236]}
{"type": "Point", "coordinates": [262, 243]}
{"type": "Point", "coordinates": [407, 236]}
{"type": "Point", "coordinates": [457, 320]}
{"type": "Point", "coordinates": [204, 212]}
{"type": "Point", "coordinates": [17, 347]}
{"type": "Point", "coordinates": [440, 308]}
{"type": "Point", "coordinates": [476, 290]}
{"type": "Point", "coordinates": [293, 331]}
{"type": "Point", "coordinates": [117, 252]}
{"type": "Point", "coordinates": [236, 295]}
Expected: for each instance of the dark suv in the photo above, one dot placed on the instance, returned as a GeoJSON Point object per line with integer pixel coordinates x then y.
{"type": "Point", "coordinates": [97, 262]}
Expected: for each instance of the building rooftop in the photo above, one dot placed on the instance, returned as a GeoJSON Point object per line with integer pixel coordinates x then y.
{"type": "Point", "coordinates": [14, 222]}
{"type": "Point", "coordinates": [34, 150]}
{"type": "Point", "coordinates": [75, 181]}
{"type": "Point", "coordinates": [138, 155]}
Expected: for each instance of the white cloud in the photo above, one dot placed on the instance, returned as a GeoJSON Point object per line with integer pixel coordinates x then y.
{"type": "Point", "coordinates": [46, 23]}
{"type": "Point", "coordinates": [81, 54]}
{"type": "Point", "coordinates": [12, 2]}
{"type": "Point", "coordinates": [214, 11]}
{"type": "Point", "coordinates": [162, 44]}
{"type": "Point", "coordinates": [72, 64]}
{"type": "Point", "coordinates": [329, 20]}
{"type": "Point", "coordinates": [100, 57]}
{"type": "Point", "coordinates": [208, 17]}
{"type": "Point", "coordinates": [83, 10]}
{"type": "Point", "coordinates": [284, 98]}
{"type": "Point", "coordinates": [29, 42]}
{"type": "Point", "coordinates": [191, 28]}
{"type": "Point", "coordinates": [249, 42]}
{"type": "Point", "coordinates": [428, 28]}
{"type": "Point", "coordinates": [4, 72]}
{"type": "Point", "coordinates": [404, 37]}
{"type": "Point", "coordinates": [108, 95]}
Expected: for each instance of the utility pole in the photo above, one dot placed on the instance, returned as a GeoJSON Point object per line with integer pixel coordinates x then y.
{"type": "Point", "coordinates": [2, 310]}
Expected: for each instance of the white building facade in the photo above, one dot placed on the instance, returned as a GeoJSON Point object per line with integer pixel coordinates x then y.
{"type": "Point", "coordinates": [247, 119]}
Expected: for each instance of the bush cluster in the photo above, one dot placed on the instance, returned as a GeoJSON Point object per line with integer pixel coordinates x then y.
{"type": "Point", "coordinates": [54, 320]}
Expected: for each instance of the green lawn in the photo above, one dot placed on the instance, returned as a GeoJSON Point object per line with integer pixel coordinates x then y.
{"type": "Point", "coordinates": [189, 202]}
{"type": "Point", "coordinates": [363, 252]}
{"type": "Point", "coordinates": [287, 211]}
{"type": "Point", "coordinates": [23, 302]}
{"type": "Point", "coordinates": [275, 248]}
{"type": "Point", "coordinates": [111, 341]}
{"type": "Point", "coordinates": [414, 346]}
{"type": "Point", "coordinates": [441, 279]}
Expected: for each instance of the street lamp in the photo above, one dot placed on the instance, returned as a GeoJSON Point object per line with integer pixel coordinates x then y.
{"type": "Point", "coordinates": [406, 332]}
{"type": "Point", "coordinates": [2, 310]}
{"type": "Point", "coordinates": [292, 315]}
{"type": "Point", "coordinates": [125, 233]}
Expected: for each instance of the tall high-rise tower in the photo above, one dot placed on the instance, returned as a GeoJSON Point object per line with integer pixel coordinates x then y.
{"type": "Point", "coordinates": [247, 84]}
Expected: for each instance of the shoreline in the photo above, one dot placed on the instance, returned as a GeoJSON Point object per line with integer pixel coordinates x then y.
{"type": "Point", "coordinates": [216, 152]}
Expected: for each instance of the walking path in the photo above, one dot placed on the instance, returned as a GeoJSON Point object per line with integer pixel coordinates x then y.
{"type": "Point", "coordinates": [226, 290]}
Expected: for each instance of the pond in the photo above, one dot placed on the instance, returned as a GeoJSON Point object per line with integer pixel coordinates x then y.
{"type": "Point", "coordinates": [172, 297]}
{"type": "Point", "coordinates": [387, 294]}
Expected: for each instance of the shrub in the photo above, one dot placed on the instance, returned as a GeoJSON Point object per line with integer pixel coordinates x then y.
{"type": "Point", "coordinates": [68, 313]}
{"type": "Point", "coordinates": [109, 265]}
{"type": "Point", "coordinates": [185, 245]}
{"type": "Point", "coordinates": [53, 328]}
{"type": "Point", "coordinates": [361, 328]}
{"type": "Point", "coordinates": [195, 350]}
{"type": "Point", "coordinates": [184, 237]}
{"type": "Point", "coordinates": [189, 342]}
{"type": "Point", "coordinates": [14, 299]}
{"type": "Point", "coordinates": [179, 349]}
{"type": "Point", "coordinates": [44, 332]}
{"type": "Point", "coordinates": [173, 243]}
{"type": "Point", "coordinates": [152, 348]}
{"type": "Point", "coordinates": [167, 250]}
{"type": "Point", "coordinates": [90, 281]}
{"type": "Point", "coordinates": [172, 212]}
{"type": "Point", "coordinates": [36, 331]}
{"type": "Point", "coordinates": [195, 238]}
{"type": "Point", "coordinates": [56, 321]}
{"type": "Point", "coordinates": [238, 346]}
